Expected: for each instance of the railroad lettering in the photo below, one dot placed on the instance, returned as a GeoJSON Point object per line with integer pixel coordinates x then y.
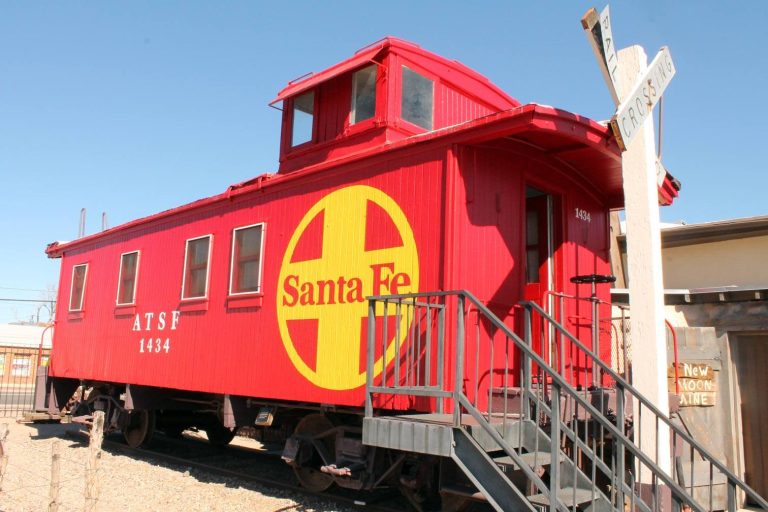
{"type": "Point", "coordinates": [154, 346]}
{"type": "Point", "coordinates": [343, 290]}
{"type": "Point", "coordinates": [149, 316]}
{"type": "Point", "coordinates": [391, 286]}
{"type": "Point", "coordinates": [162, 321]}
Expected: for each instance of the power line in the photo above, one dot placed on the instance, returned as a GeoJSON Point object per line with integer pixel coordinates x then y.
{"type": "Point", "coordinates": [28, 300]}
{"type": "Point", "coordinates": [22, 289]}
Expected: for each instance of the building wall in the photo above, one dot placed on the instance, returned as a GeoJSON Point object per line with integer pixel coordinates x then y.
{"type": "Point", "coordinates": [716, 264]}
{"type": "Point", "coordinates": [18, 366]}
{"type": "Point", "coordinates": [707, 334]}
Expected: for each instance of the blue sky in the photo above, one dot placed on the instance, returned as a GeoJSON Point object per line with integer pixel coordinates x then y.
{"type": "Point", "coordinates": [135, 107]}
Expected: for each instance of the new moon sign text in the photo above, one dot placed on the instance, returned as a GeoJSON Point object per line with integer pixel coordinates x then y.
{"type": "Point", "coordinates": [697, 384]}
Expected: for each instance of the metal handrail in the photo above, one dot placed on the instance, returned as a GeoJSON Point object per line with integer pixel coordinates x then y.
{"type": "Point", "coordinates": [732, 478]}
{"type": "Point", "coordinates": [562, 384]}
{"type": "Point", "coordinates": [557, 383]}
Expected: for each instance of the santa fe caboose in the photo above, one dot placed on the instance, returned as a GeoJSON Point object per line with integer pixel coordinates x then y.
{"type": "Point", "coordinates": [400, 172]}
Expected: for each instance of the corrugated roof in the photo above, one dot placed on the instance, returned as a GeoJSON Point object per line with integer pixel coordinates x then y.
{"type": "Point", "coordinates": [27, 336]}
{"type": "Point", "coordinates": [716, 231]}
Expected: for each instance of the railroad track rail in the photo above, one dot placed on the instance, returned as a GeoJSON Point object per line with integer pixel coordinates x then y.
{"type": "Point", "coordinates": [262, 467]}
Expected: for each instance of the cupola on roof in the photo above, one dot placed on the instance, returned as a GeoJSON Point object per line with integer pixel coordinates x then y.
{"type": "Point", "coordinates": [386, 91]}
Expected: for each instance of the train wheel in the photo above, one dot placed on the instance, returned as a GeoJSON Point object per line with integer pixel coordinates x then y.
{"type": "Point", "coordinates": [139, 427]}
{"type": "Point", "coordinates": [174, 432]}
{"type": "Point", "coordinates": [310, 476]}
{"type": "Point", "coordinates": [219, 435]}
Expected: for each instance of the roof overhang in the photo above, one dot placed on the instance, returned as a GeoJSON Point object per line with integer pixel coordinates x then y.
{"type": "Point", "coordinates": [585, 147]}
{"type": "Point", "coordinates": [365, 56]}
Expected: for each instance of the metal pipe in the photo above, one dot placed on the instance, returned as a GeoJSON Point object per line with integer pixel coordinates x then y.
{"type": "Point", "coordinates": [370, 348]}
{"type": "Point", "coordinates": [459, 374]}
{"type": "Point", "coordinates": [674, 349]}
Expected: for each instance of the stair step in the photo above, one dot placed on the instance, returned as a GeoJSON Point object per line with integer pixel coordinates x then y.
{"type": "Point", "coordinates": [532, 459]}
{"type": "Point", "coordinates": [466, 492]}
{"type": "Point", "coordinates": [568, 496]}
{"type": "Point", "coordinates": [431, 433]}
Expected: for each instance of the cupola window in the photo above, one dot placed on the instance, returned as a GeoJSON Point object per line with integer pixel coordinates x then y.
{"type": "Point", "coordinates": [303, 118]}
{"type": "Point", "coordinates": [363, 94]}
{"type": "Point", "coordinates": [417, 104]}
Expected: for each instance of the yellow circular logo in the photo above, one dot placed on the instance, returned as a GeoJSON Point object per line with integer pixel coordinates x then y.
{"type": "Point", "coordinates": [353, 243]}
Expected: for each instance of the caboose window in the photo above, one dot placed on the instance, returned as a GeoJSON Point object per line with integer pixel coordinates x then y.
{"type": "Point", "coordinates": [303, 118]}
{"type": "Point", "coordinates": [79, 274]}
{"type": "Point", "coordinates": [363, 94]}
{"type": "Point", "coordinates": [247, 245]}
{"type": "Point", "coordinates": [417, 97]}
{"type": "Point", "coordinates": [195, 285]}
{"type": "Point", "coordinates": [126, 282]}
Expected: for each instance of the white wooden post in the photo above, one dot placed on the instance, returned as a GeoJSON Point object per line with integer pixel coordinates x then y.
{"type": "Point", "coordinates": [92, 465]}
{"type": "Point", "coordinates": [646, 286]}
{"type": "Point", "coordinates": [53, 492]}
{"type": "Point", "coordinates": [3, 452]}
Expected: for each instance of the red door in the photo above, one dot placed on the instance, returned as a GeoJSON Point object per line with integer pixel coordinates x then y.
{"type": "Point", "coordinates": [537, 247]}
{"type": "Point", "coordinates": [539, 259]}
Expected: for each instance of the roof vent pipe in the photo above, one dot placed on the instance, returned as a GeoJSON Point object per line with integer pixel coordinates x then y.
{"type": "Point", "coordinates": [81, 230]}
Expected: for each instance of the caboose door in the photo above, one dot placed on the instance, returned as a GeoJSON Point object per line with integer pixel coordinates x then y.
{"type": "Point", "coordinates": [539, 250]}
{"type": "Point", "coordinates": [540, 235]}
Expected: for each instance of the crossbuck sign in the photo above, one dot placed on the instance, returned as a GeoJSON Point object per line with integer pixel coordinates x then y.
{"type": "Point", "coordinates": [636, 108]}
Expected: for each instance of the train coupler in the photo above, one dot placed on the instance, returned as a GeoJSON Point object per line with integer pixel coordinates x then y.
{"type": "Point", "coordinates": [333, 469]}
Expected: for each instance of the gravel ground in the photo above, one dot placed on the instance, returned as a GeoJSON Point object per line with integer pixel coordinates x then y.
{"type": "Point", "coordinates": [127, 484]}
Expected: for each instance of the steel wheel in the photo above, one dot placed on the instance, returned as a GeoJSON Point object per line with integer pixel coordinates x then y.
{"type": "Point", "coordinates": [174, 432]}
{"type": "Point", "coordinates": [310, 476]}
{"type": "Point", "coordinates": [219, 435]}
{"type": "Point", "coordinates": [139, 427]}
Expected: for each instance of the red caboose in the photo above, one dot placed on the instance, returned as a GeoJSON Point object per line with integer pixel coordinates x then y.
{"type": "Point", "coordinates": [400, 172]}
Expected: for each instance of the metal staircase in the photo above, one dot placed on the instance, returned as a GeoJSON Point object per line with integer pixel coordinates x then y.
{"type": "Point", "coordinates": [522, 417]}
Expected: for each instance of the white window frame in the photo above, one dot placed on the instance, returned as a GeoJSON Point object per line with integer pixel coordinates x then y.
{"type": "Point", "coordinates": [135, 278]}
{"type": "Point", "coordinates": [353, 114]}
{"type": "Point", "coordinates": [261, 259]}
{"type": "Point", "coordinates": [425, 76]}
{"type": "Point", "coordinates": [72, 287]}
{"type": "Point", "coordinates": [313, 128]}
{"type": "Point", "coordinates": [207, 267]}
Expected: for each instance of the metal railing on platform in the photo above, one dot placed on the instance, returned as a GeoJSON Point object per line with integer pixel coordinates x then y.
{"type": "Point", "coordinates": [495, 376]}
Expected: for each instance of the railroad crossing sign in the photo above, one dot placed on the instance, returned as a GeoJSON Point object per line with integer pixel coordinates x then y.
{"type": "Point", "coordinates": [636, 108]}
{"type": "Point", "coordinates": [641, 173]}
{"type": "Point", "coordinates": [353, 243]}
{"type": "Point", "coordinates": [600, 39]}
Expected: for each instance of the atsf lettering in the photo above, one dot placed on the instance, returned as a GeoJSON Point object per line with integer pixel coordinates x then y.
{"type": "Point", "coordinates": [150, 322]}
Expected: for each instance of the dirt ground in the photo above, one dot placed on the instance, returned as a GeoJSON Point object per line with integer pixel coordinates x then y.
{"type": "Point", "coordinates": [126, 484]}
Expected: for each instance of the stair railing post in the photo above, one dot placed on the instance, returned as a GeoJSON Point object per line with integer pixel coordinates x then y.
{"type": "Point", "coordinates": [619, 445]}
{"type": "Point", "coordinates": [440, 356]}
{"type": "Point", "coordinates": [595, 332]}
{"type": "Point", "coordinates": [526, 361]}
{"type": "Point", "coordinates": [370, 359]}
{"type": "Point", "coordinates": [554, 468]}
{"type": "Point", "coordinates": [459, 374]}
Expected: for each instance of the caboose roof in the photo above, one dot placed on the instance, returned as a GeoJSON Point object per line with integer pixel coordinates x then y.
{"type": "Point", "coordinates": [585, 147]}
{"type": "Point", "coordinates": [450, 70]}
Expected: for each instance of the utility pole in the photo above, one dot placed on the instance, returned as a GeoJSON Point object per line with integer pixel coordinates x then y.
{"type": "Point", "coordinates": [646, 285]}
{"type": "Point", "coordinates": [636, 87]}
